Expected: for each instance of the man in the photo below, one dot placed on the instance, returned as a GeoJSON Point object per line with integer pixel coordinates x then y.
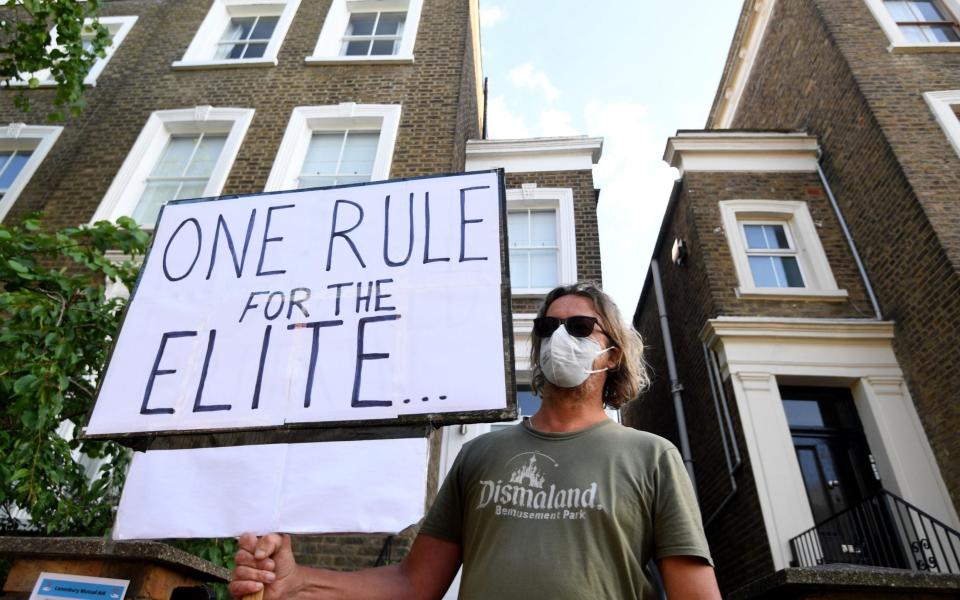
{"type": "Point", "coordinates": [566, 505]}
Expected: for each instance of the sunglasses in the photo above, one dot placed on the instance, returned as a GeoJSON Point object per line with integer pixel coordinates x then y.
{"type": "Point", "coordinates": [579, 326]}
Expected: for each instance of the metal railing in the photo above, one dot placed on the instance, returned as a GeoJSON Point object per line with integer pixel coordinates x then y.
{"type": "Point", "coordinates": [882, 531]}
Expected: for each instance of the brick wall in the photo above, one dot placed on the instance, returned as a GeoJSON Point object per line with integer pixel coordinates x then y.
{"type": "Point", "coordinates": [823, 67]}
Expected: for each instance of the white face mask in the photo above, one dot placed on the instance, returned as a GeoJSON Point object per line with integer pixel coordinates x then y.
{"type": "Point", "coordinates": [567, 361]}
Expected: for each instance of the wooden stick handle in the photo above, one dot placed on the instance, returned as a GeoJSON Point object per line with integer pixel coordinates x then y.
{"type": "Point", "coordinates": [254, 596]}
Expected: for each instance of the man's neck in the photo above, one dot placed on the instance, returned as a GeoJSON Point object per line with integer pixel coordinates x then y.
{"type": "Point", "coordinates": [565, 410]}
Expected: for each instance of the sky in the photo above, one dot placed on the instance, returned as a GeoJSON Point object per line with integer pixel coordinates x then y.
{"type": "Point", "coordinates": [630, 71]}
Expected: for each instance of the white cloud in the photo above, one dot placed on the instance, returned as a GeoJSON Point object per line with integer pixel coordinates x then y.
{"type": "Point", "coordinates": [491, 15]}
{"type": "Point", "coordinates": [635, 186]}
{"type": "Point", "coordinates": [557, 122]}
{"type": "Point", "coordinates": [503, 123]}
{"type": "Point", "coordinates": [527, 77]}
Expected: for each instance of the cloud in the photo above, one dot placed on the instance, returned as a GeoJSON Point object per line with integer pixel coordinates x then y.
{"type": "Point", "coordinates": [503, 123]}
{"type": "Point", "coordinates": [491, 15]}
{"type": "Point", "coordinates": [527, 77]}
{"type": "Point", "coordinates": [557, 122]}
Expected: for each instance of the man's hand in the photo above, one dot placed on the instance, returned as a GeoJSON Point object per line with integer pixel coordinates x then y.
{"type": "Point", "coordinates": [267, 561]}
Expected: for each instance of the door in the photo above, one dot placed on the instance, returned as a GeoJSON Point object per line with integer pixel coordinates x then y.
{"type": "Point", "coordinates": [840, 477]}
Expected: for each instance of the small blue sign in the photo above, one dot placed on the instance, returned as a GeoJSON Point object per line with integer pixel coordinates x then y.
{"type": "Point", "coordinates": [79, 590]}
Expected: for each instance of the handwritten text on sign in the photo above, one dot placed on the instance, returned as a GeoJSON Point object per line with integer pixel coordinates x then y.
{"type": "Point", "coordinates": [355, 303]}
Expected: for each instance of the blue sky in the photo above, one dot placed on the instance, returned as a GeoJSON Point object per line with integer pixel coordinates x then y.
{"type": "Point", "coordinates": [630, 71]}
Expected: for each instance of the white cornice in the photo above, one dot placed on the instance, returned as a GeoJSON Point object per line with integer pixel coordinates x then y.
{"type": "Point", "coordinates": [741, 151]}
{"type": "Point", "coordinates": [775, 327]}
{"type": "Point", "coordinates": [739, 72]}
{"type": "Point", "coordinates": [535, 154]}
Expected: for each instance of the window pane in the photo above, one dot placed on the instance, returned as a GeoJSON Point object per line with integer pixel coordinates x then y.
{"type": "Point", "coordinates": [543, 268]}
{"type": "Point", "coordinates": [310, 181]}
{"type": "Point", "coordinates": [12, 165]}
{"type": "Point", "coordinates": [519, 269]}
{"type": "Point", "coordinates": [357, 49]}
{"type": "Point", "coordinates": [900, 10]}
{"type": "Point", "coordinates": [543, 228]}
{"type": "Point", "coordinates": [347, 179]}
{"type": "Point", "coordinates": [239, 29]}
{"type": "Point", "coordinates": [156, 193]}
{"type": "Point", "coordinates": [803, 413]}
{"type": "Point", "coordinates": [518, 229]}
{"type": "Point", "coordinates": [264, 28]}
{"type": "Point", "coordinates": [191, 189]}
{"type": "Point", "coordinates": [361, 24]}
{"type": "Point", "coordinates": [927, 10]}
{"type": "Point", "coordinates": [755, 237]}
{"type": "Point", "coordinates": [791, 271]}
{"type": "Point", "coordinates": [763, 271]}
{"type": "Point", "coordinates": [358, 153]}
{"type": "Point", "coordinates": [527, 403]}
{"type": "Point", "coordinates": [323, 153]}
{"type": "Point", "coordinates": [205, 158]}
{"type": "Point", "coordinates": [173, 161]}
{"type": "Point", "coordinates": [390, 23]}
{"type": "Point", "coordinates": [383, 48]}
{"type": "Point", "coordinates": [942, 34]}
{"type": "Point", "coordinates": [255, 50]}
{"type": "Point", "coordinates": [914, 34]}
{"type": "Point", "coordinates": [776, 237]}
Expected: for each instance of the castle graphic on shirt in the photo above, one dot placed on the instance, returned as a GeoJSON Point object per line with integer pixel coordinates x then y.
{"type": "Point", "coordinates": [527, 493]}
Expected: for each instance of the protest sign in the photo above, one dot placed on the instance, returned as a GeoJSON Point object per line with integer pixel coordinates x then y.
{"type": "Point", "coordinates": [377, 303]}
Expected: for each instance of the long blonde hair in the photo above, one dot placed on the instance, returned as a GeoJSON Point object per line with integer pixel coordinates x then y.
{"type": "Point", "coordinates": [626, 380]}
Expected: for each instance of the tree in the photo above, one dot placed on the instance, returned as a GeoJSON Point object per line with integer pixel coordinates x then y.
{"type": "Point", "coordinates": [28, 49]}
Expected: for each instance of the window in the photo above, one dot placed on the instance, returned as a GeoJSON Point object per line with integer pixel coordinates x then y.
{"type": "Point", "coordinates": [918, 25]}
{"type": "Point", "coordinates": [184, 153]}
{"type": "Point", "coordinates": [946, 108]}
{"type": "Point", "coordinates": [240, 33]}
{"type": "Point", "coordinates": [541, 232]}
{"type": "Point", "coordinates": [118, 27]}
{"type": "Point", "coordinates": [335, 145]}
{"type": "Point", "coordinates": [368, 31]}
{"type": "Point", "coordinates": [373, 34]}
{"type": "Point", "coordinates": [772, 255]}
{"type": "Point", "coordinates": [776, 250]}
{"type": "Point", "coordinates": [534, 253]}
{"type": "Point", "coordinates": [22, 149]}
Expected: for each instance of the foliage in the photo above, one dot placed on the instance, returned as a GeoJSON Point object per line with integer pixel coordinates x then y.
{"type": "Point", "coordinates": [55, 327]}
{"type": "Point", "coordinates": [27, 51]}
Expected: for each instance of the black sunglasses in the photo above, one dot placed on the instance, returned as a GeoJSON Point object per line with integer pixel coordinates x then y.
{"type": "Point", "coordinates": [579, 326]}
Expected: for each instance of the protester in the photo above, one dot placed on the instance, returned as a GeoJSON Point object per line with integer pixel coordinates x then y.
{"type": "Point", "coordinates": [568, 504]}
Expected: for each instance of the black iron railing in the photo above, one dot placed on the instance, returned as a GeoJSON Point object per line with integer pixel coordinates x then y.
{"type": "Point", "coordinates": [882, 531]}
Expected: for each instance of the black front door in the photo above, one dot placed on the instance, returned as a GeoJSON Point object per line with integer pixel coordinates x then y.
{"type": "Point", "coordinates": [838, 473]}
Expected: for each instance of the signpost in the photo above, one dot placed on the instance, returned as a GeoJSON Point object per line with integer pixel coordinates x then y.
{"type": "Point", "coordinates": [306, 334]}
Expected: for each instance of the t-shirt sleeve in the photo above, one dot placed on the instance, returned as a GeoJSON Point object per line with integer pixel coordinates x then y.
{"type": "Point", "coordinates": [445, 518]}
{"type": "Point", "coordinates": [678, 530]}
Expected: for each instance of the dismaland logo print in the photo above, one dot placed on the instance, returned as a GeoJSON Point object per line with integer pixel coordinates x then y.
{"type": "Point", "coordinates": [528, 494]}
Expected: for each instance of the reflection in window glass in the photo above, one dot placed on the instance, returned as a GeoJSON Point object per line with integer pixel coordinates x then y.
{"type": "Point", "coordinates": [339, 157]}
{"type": "Point", "coordinates": [923, 21]}
{"type": "Point", "coordinates": [373, 34]}
{"type": "Point", "coordinates": [534, 253]}
{"type": "Point", "coordinates": [803, 413]}
{"type": "Point", "coordinates": [772, 256]}
{"type": "Point", "coordinates": [11, 163]}
{"type": "Point", "coordinates": [246, 37]}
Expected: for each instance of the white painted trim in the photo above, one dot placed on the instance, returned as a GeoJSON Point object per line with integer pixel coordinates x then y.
{"type": "Point", "coordinates": [529, 196]}
{"type": "Point", "coordinates": [795, 215]}
{"type": "Point", "coordinates": [944, 106]}
{"type": "Point", "coordinates": [304, 120]}
{"type": "Point", "coordinates": [522, 334]}
{"type": "Point", "coordinates": [743, 64]}
{"type": "Point", "coordinates": [741, 151]}
{"type": "Point", "coordinates": [577, 153]}
{"type": "Point", "coordinates": [335, 24]}
{"type": "Point", "coordinates": [128, 184]}
{"type": "Point", "coordinates": [118, 27]}
{"type": "Point", "coordinates": [201, 51]}
{"type": "Point", "coordinates": [759, 352]}
{"type": "Point", "coordinates": [37, 138]}
{"type": "Point", "coordinates": [898, 43]}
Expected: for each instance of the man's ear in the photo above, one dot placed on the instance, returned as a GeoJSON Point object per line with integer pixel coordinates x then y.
{"type": "Point", "coordinates": [614, 357]}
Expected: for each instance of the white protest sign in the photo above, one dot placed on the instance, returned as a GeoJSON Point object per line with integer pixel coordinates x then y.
{"type": "Point", "coordinates": [346, 304]}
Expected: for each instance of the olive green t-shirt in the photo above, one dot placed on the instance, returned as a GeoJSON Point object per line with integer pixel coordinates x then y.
{"type": "Point", "coordinates": [566, 515]}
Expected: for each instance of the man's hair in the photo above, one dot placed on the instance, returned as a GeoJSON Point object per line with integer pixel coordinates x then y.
{"type": "Point", "coordinates": [629, 377]}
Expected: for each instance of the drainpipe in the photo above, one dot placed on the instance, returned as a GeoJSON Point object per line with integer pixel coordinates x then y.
{"type": "Point", "coordinates": [719, 397]}
{"type": "Point", "coordinates": [675, 386]}
{"type": "Point", "coordinates": [846, 233]}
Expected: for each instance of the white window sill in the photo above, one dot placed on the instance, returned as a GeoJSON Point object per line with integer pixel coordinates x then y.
{"type": "Point", "coordinates": [530, 292]}
{"type": "Point", "coordinates": [924, 48]}
{"type": "Point", "coordinates": [791, 294]}
{"type": "Point", "coordinates": [187, 65]}
{"type": "Point", "coordinates": [364, 60]}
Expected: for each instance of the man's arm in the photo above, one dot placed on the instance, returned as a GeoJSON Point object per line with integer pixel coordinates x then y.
{"type": "Point", "coordinates": [688, 578]}
{"type": "Point", "coordinates": [425, 573]}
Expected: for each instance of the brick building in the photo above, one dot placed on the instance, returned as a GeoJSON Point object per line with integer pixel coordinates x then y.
{"type": "Point", "coordinates": [201, 98]}
{"type": "Point", "coordinates": [802, 308]}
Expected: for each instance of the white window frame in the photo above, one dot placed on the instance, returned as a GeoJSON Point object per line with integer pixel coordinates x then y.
{"type": "Point", "coordinates": [531, 197]}
{"type": "Point", "coordinates": [945, 106]}
{"type": "Point", "coordinates": [899, 43]}
{"type": "Point", "coordinates": [801, 231]}
{"type": "Point", "coordinates": [130, 181]}
{"type": "Point", "coordinates": [118, 27]}
{"type": "Point", "coordinates": [305, 120]}
{"type": "Point", "coordinates": [329, 43]}
{"type": "Point", "coordinates": [39, 140]}
{"type": "Point", "coordinates": [202, 50]}
{"type": "Point", "coordinates": [791, 250]}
